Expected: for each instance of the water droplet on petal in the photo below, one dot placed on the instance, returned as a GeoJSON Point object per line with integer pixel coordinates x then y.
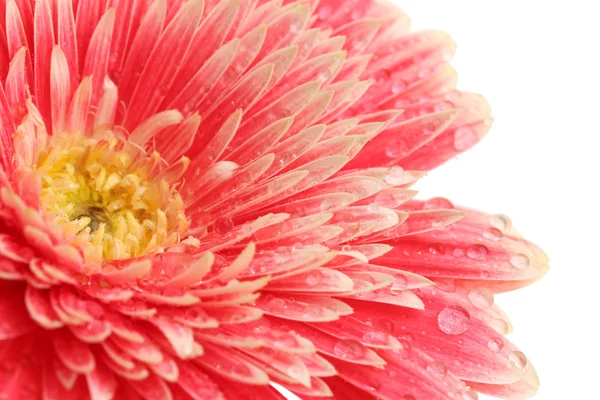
{"type": "Point", "coordinates": [285, 158]}
{"type": "Point", "coordinates": [499, 325]}
{"type": "Point", "coordinates": [477, 252]}
{"type": "Point", "coordinates": [436, 249]}
{"type": "Point", "coordinates": [296, 27]}
{"type": "Point", "coordinates": [447, 285]}
{"type": "Point", "coordinates": [495, 345]}
{"type": "Point", "coordinates": [493, 234]}
{"type": "Point", "coordinates": [349, 349]}
{"type": "Point", "coordinates": [519, 261]}
{"type": "Point", "coordinates": [223, 226]}
{"type": "Point", "coordinates": [470, 395]}
{"type": "Point", "coordinates": [407, 337]}
{"type": "Point", "coordinates": [438, 203]}
{"type": "Point", "coordinates": [437, 369]}
{"type": "Point", "coordinates": [453, 320]}
{"type": "Point", "coordinates": [240, 370]}
{"type": "Point", "coordinates": [518, 359]}
{"type": "Point", "coordinates": [398, 86]}
{"type": "Point", "coordinates": [502, 222]}
{"type": "Point", "coordinates": [481, 298]}
{"type": "Point", "coordinates": [314, 277]}
{"type": "Point", "coordinates": [372, 384]}
{"type": "Point", "coordinates": [375, 338]}
{"type": "Point", "coordinates": [464, 138]}
{"type": "Point", "coordinates": [277, 304]}
{"type": "Point", "coordinates": [395, 148]}
{"type": "Point", "coordinates": [395, 176]}
{"type": "Point", "coordinates": [400, 284]}
{"type": "Point", "coordinates": [384, 325]}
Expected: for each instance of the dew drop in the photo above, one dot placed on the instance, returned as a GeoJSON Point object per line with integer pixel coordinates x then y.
{"type": "Point", "coordinates": [223, 226]}
{"type": "Point", "coordinates": [519, 261]}
{"type": "Point", "coordinates": [327, 205]}
{"type": "Point", "coordinates": [395, 176]}
{"type": "Point", "coordinates": [407, 337]}
{"type": "Point", "coordinates": [453, 320]}
{"type": "Point", "coordinates": [481, 298]}
{"type": "Point", "coordinates": [436, 249]}
{"type": "Point", "coordinates": [400, 284]}
{"type": "Point", "coordinates": [349, 349]}
{"type": "Point", "coordinates": [493, 234]}
{"type": "Point", "coordinates": [277, 304]}
{"type": "Point", "coordinates": [398, 86]}
{"type": "Point", "coordinates": [274, 186]}
{"type": "Point", "coordinates": [499, 325]}
{"type": "Point", "coordinates": [501, 222]}
{"type": "Point", "coordinates": [240, 370]}
{"type": "Point", "coordinates": [375, 338]}
{"type": "Point", "coordinates": [296, 27]}
{"type": "Point", "coordinates": [438, 203]}
{"type": "Point", "coordinates": [286, 157]}
{"type": "Point", "coordinates": [429, 128]}
{"type": "Point", "coordinates": [366, 295]}
{"type": "Point", "coordinates": [346, 248]}
{"type": "Point", "coordinates": [314, 277]}
{"type": "Point", "coordinates": [395, 148]}
{"type": "Point", "coordinates": [372, 384]}
{"type": "Point", "coordinates": [384, 325]}
{"type": "Point", "coordinates": [437, 369]}
{"type": "Point", "coordinates": [517, 359]}
{"type": "Point", "coordinates": [447, 285]}
{"type": "Point", "coordinates": [464, 138]}
{"type": "Point", "coordinates": [443, 106]}
{"type": "Point", "coordinates": [477, 252]}
{"type": "Point", "coordinates": [495, 345]}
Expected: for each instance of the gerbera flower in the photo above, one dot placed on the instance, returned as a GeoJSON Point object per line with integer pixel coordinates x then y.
{"type": "Point", "coordinates": [200, 198]}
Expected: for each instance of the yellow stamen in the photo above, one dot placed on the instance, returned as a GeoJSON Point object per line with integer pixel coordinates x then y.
{"type": "Point", "coordinates": [100, 192]}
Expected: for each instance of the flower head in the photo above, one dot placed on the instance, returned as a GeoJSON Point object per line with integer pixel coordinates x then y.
{"type": "Point", "coordinates": [199, 198]}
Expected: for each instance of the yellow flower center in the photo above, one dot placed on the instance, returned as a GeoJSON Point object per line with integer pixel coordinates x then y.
{"type": "Point", "coordinates": [105, 195]}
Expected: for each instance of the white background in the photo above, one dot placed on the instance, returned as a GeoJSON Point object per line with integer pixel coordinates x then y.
{"type": "Point", "coordinates": [537, 64]}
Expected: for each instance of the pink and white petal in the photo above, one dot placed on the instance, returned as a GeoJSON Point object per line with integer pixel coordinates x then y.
{"type": "Point", "coordinates": [231, 365]}
{"type": "Point", "coordinates": [288, 308]}
{"type": "Point", "coordinates": [44, 41]}
{"type": "Point", "coordinates": [152, 388]}
{"type": "Point", "coordinates": [180, 337]}
{"type": "Point", "coordinates": [523, 389]}
{"type": "Point", "coordinates": [75, 354]}
{"type": "Point", "coordinates": [144, 41]}
{"type": "Point", "coordinates": [102, 383]}
{"type": "Point", "coordinates": [195, 383]}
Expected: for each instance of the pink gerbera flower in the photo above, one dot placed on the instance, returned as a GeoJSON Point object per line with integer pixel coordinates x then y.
{"type": "Point", "coordinates": [200, 198]}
